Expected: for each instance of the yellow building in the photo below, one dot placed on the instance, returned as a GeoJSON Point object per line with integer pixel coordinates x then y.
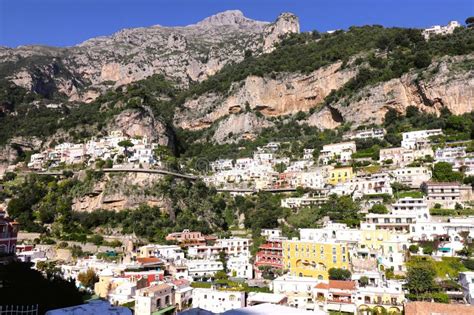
{"type": "Point", "coordinates": [388, 247]}
{"type": "Point", "coordinates": [340, 175]}
{"type": "Point", "coordinates": [314, 259]}
{"type": "Point", "coordinates": [383, 241]}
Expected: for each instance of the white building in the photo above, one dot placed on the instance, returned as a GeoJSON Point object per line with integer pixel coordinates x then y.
{"type": "Point", "coordinates": [306, 200]}
{"type": "Point", "coordinates": [168, 252]}
{"type": "Point", "coordinates": [297, 289]}
{"type": "Point", "coordinates": [308, 154]}
{"type": "Point", "coordinates": [419, 138]}
{"type": "Point", "coordinates": [401, 157]}
{"type": "Point", "coordinates": [441, 30]}
{"type": "Point", "coordinates": [466, 280]}
{"type": "Point", "coordinates": [222, 165]}
{"type": "Point", "coordinates": [271, 233]}
{"type": "Point", "coordinates": [311, 179]}
{"type": "Point", "coordinates": [240, 266]}
{"type": "Point", "coordinates": [217, 301]}
{"type": "Point", "coordinates": [373, 133]}
{"type": "Point", "coordinates": [37, 161]}
{"type": "Point", "coordinates": [412, 177]}
{"type": "Point", "coordinates": [331, 231]}
{"type": "Point", "coordinates": [235, 245]}
{"type": "Point", "coordinates": [198, 268]}
{"type": "Point", "coordinates": [368, 184]}
{"type": "Point", "coordinates": [340, 152]}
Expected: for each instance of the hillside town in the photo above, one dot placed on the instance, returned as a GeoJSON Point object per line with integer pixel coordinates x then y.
{"type": "Point", "coordinates": [227, 165]}
{"type": "Point", "coordinates": [333, 268]}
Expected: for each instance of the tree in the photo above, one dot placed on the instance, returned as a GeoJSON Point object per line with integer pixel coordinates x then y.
{"type": "Point", "coordinates": [126, 144]}
{"type": "Point", "coordinates": [339, 274]}
{"type": "Point", "coordinates": [443, 172]}
{"type": "Point", "coordinates": [8, 176]}
{"type": "Point", "coordinates": [422, 59]}
{"type": "Point", "coordinates": [413, 248]}
{"type": "Point", "coordinates": [221, 275]}
{"type": "Point", "coordinates": [342, 209]}
{"type": "Point", "coordinates": [88, 278]}
{"type": "Point", "coordinates": [378, 209]}
{"type": "Point", "coordinates": [280, 167]}
{"type": "Point", "coordinates": [22, 285]}
{"type": "Point", "coordinates": [470, 21]}
{"type": "Point", "coordinates": [223, 260]}
{"type": "Point", "coordinates": [420, 278]}
{"type": "Point", "coordinates": [465, 251]}
{"type": "Point", "coordinates": [363, 281]}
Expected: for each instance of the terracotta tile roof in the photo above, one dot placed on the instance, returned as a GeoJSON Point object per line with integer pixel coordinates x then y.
{"type": "Point", "coordinates": [428, 308]}
{"type": "Point", "coordinates": [179, 282]}
{"type": "Point", "coordinates": [149, 260]}
{"type": "Point", "coordinates": [337, 284]}
{"type": "Point", "coordinates": [158, 287]}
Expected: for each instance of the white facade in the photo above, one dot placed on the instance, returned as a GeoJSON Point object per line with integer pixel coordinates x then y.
{"type": "Point", "coordinates": [466, 280]}
{"type": "Point", "coordinates": [218, 301]}
{"type": "Point", "coordinates": [291, 284]}
{"type": "Point", "coordinates": [168, 252]}
{"type": "Point", "coordinates": [420, 138]}
{"type": "Point", "coordinates": [271, 233]}
{"type": "Point", "coordinates": [297, 289]}
{"type": "Point", "coordinates": [441, 30]}
{"type": "Point", "coordinates": [341, 152]}
{"type": "Point", "coordinates": [202, 267]}
{"type": "Point", "coordinates": [235, 245]}
{"type": "Point", "coordinates": [373, 133]}
{"type": "Point", "coordinates": [240, 267]}
{"type": "Point", "coordinates": [371, 184]}
{"type": "Point", "coordinates": [331, 231]}
{"type": "Point", "coordinates": [412, 176]}
{"type": "Point", "coordinates": [401, 157]}
{"type": "Point", "coordinates": [304, 201]}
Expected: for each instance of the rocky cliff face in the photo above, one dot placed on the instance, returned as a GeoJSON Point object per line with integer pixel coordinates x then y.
{"type": "Point", "coordinates": [446, 83]}
{"type": "Point", "coordinates": [282, 95]}
{"type": "Point", "coordinates": [240, 126]}
{"type": "Point", "coordinates": [143, 123]}
{"type": "Point", "coordinates": [121, 191]}
{"type": "Point", "coordinates": [183, 54]}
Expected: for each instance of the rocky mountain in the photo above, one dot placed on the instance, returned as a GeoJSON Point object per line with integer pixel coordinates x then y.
{"type": "Point", "coordinates": [287, 93]}
{"type": "Point", "coordinates": [226, 78]}
{"type": "Point", "coordinates": [182, 54]}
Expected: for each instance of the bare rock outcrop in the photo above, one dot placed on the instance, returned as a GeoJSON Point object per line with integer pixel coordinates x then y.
{"type": "Point", "coordinates": [237, 127]}
{"type": "Point", "coordinates": [282, 95]}
{"type": "Point", "coordinates": [445, 84]}
{"type": "Point", "coordinates": [141, 122]}
{"type": "Point", "coordinates": [121, 191]}
{"type": "Point", "coordinates": [183, 54]}
{"type": "Point", "coordinates": [286, 23]}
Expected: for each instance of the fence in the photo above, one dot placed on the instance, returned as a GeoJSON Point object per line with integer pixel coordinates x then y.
{"type": "Point", "coordinates": [19, 309]}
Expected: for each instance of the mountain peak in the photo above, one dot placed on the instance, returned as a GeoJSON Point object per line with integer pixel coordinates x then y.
{"type": "Point", "coordinates": [229, 17]}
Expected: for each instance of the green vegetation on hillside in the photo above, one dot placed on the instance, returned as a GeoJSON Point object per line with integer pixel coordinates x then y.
{"type": "Point", "coordinates": [391, 53]}
{"type": "Point", "coordinates": [379, 54]}
{"type": "Point", "coordinates": [80, 121]}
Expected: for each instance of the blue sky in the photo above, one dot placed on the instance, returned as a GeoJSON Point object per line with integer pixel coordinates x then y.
{"type": "Point", "coordinates": [68, 22]}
